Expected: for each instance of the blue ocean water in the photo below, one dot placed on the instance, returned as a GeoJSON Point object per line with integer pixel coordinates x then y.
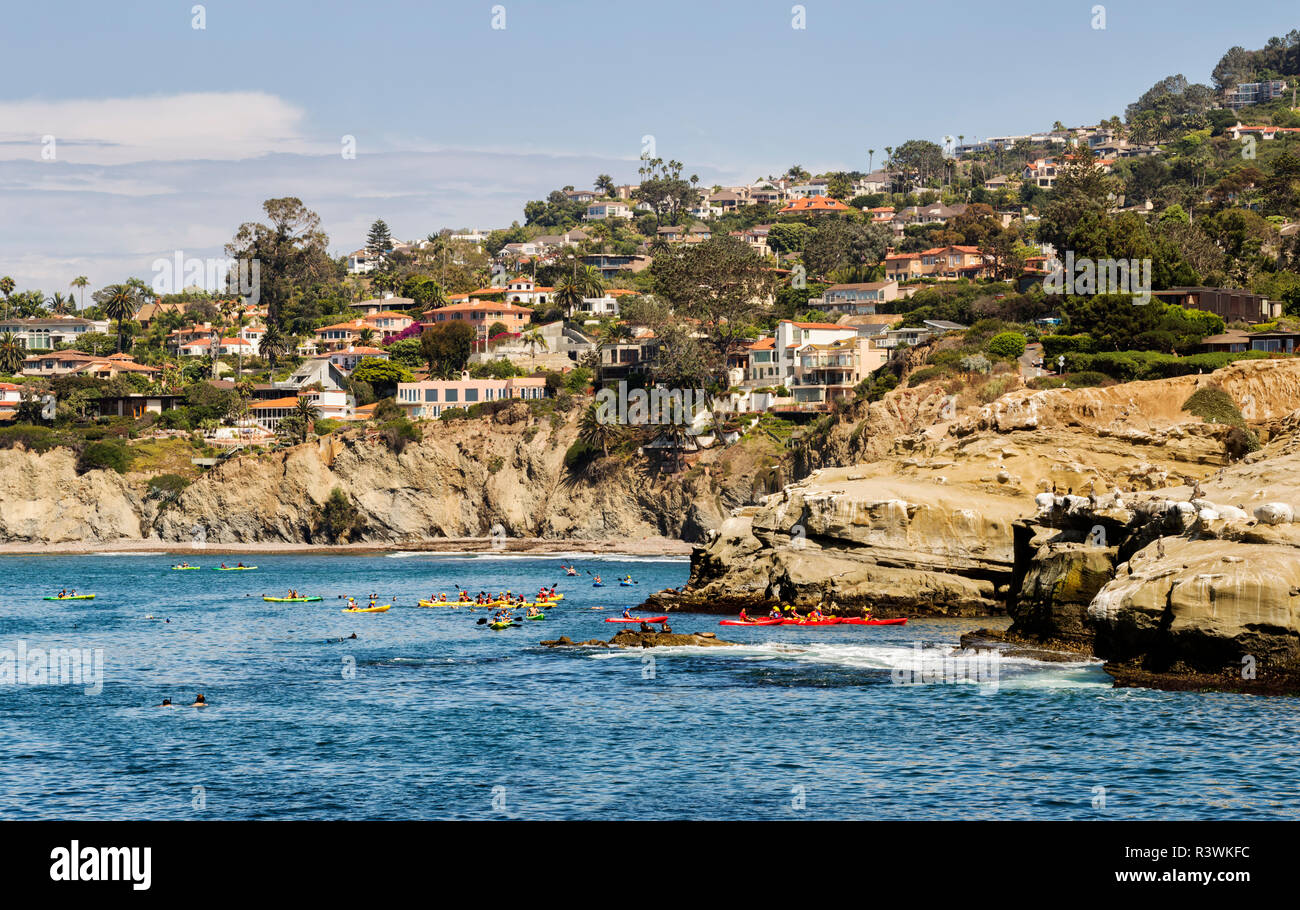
{"type": "Point", "coordinates": [429, 715]}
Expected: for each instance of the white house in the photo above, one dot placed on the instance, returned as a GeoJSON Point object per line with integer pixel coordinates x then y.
{"type": "Point", "coordinates": [791, 336]}
{"type": "Point", "coordinates": [598, 211]}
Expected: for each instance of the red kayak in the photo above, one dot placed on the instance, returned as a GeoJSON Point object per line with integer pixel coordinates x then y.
{"type": "Point", "coordinates": [833, 621]}
{"type": "Point", "coordinates": [647, 619]}
{"type": "Point", "coordinates": [859, 621]}
{"type": "Point", "coordinates": [750, 622]}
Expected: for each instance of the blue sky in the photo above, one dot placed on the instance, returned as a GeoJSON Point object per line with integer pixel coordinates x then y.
{"type": "Point", "coordinates": [166, 137]}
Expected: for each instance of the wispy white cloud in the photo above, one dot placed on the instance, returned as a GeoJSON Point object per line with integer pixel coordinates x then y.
{"type": "Point", "coordinates": [148, 177]}
{"type": "Point", "coordinates": [215, 125]}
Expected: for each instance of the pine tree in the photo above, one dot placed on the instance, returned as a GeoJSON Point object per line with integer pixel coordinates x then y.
{"type": "Point", "coordinates": [379, 241]}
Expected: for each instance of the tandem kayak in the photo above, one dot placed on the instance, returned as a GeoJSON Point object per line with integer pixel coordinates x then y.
{"type": "Point", "coordinates": [234, 568]}
{"type": "Point", "coordinates": [72, 597]}
{"type": "Point", "coordinates": [450, 603]}
{"type": "Point", "coordinates": [186, 568]}
{"type": "Point", "coordinates": [502, 625]}
{"type": "Point", "coordinates": [651, 619]}
{"type": "Point", "coordinates": [382, 609]}
{"type": "Point", "coordinates": [290, 600]}
{"type": "Point", "coordinates": [751, 622]}
{"type": "Point", "coordinates": [859, 621]}
{"type": "Point", "coordinates": [832, 621]}
{"type": "Point", "coordinates": [626, 584]}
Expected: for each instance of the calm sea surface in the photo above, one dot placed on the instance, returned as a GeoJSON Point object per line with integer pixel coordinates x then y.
{"type": "Point", "coordinates": [429, 715]}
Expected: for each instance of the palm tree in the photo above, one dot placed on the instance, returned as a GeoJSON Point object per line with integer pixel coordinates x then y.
{"type": "Point", "coordinates": [11, 353]}
{"type": "Point", "coordinates": [120, 305]}
{"type": "Point", "coordinates": [59, 304]}
{"type": "Point", "coordinates": [568, 294]}
{"type": "Point", "coordinates": [533, 339]}
{"type": "Point", "coordinates": [366, 337]}
{"type": "Point", "coordinates": [306, 412]}
{"type": "Point", "coordinates": [592, 283]}
{"type": "Point", "coordinates": [273, 345]}
{"type": "Point", "coordinates": [598, 433]}
{"type": "Point", "coordinates": [81, 281]}
{"type": "Point", "coordinates": [871, 155]}
{"type": "Point", "coordinates": [6, 287]}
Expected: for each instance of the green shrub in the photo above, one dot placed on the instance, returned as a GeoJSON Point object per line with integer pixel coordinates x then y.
{"type": "Point", "coordinates": [495, 464]}
{"type": "Point", "coordinates": [1006, 345]}
{"type": "Point", "coordinates": [338, 520]}
{"type": "Point", "coordinates": [32, 438]}
{"type": "Point", "coordinates": [1056, 345]}
{"type": "Point", "coordinates": [579, 455]}
{"type": "Point", "coordinates": [167, 484]}
{"type": "Point", "coordinates": [397, 433]}
{"type": "Point", "coordinates": [925, 374]}
{"type": "Point", "coordinates": [453, 414]}
{"type": "Point", "coordinates": [104, 455]}
{"type": "Point", "coordinates": [327, 425]}
{"type": "Point", "coordinates": [1214, 405]}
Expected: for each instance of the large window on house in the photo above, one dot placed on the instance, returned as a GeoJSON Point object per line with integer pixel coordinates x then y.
{"type": "Point", "coordinates": [430, 394]}
{"type": "Point", "coordinates": [471, 395]}
{"type": "Point", "coordinates": [453, 395]}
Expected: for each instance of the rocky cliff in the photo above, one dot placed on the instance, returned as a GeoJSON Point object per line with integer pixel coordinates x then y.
{"type": "Point", "coordinates": [1103, 520]}
{"type": "Point", "coordinates": [503, 475]}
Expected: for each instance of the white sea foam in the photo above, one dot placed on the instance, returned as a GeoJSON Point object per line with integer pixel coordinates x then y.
{"type": "Point", "coordinates": [1024, 672]}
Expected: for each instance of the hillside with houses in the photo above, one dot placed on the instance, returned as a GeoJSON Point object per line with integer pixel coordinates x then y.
{"type": "Point", "coordinates": [970, 267]}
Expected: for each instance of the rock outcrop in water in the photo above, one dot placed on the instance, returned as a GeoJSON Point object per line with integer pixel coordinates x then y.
{"type": "Point", "coordinates": [1106, 521]}
{"type": "Point", "coordinates": [629, 638]}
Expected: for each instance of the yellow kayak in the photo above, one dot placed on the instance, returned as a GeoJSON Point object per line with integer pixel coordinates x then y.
{"type": "Point", "coordinates": [382, 609]}
{"type": "Point", "coordinates": [448, 603]}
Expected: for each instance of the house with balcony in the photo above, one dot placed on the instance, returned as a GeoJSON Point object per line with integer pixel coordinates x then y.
{"type": "Point", "coordinates": [612, 265]}
{"type": "Point", "coordinates": [1232, 304]}
{"type": "Point", "coordinates": [828, 372]}
{"type": "Point", "coordinates": [1248, 93]}
{"type": "Point", "coordinates": [858, 299]}
{"type": "Point", "coordinates": [1041, 173]}
{"type": "Point", "coordinates": [813, 205]}
{"type": "Point", "coordinates": [527, 292]}
{"type": "Point", "coordinates": [481, 315]}
{"type": "Point", "coordinates": [47, 332]}
{"type": "Point", "coordinates": [792, 336]}
{"type": "Point", "coordinates": [381, 305]}
{"type": "Point", "coordinates": [347, 359]}
{"type": "Point", "coordinates": [599, 211]}
{"type": "Point", "coordinates": [431, 397]}
{"type": "Point", "coordinates": [60, 363]}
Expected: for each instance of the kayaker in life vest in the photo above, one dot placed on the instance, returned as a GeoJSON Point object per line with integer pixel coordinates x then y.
{"type": "Point", "coordinates": [743, 617]}
{"type": "Point", "coordinates": [627, 612]}
{"type": "Point", "coordinates": [598, 581]}
{"type": "Point", "coordinates": [775, 614]}
{"type": "Point", "coordinates": [815, 614]}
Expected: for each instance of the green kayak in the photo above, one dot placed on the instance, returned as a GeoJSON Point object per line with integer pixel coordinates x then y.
{"type": "Point", "coordinates": [538, 616]}
{"type": "Point", "coordinates": [290, 600]}
{"type": "Point", "coordinates": [73, 597]}
{"type": "Point", "coordinates": [502, 625]}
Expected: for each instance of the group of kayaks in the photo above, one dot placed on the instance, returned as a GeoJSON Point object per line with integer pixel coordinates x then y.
{"type": "Point", "coordinates": [498, 602]}
{"type": "Point", "coordinates": [186, 567]}
{"type": "Point", "coordinates": [828, 621]}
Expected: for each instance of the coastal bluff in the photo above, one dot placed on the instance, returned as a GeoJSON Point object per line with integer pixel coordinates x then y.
{"type": "Point", "coordinates": [1102, 521]}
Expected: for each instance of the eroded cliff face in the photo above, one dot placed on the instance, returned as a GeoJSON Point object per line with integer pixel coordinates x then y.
{"type": "Point", "coordinates": [43, 500]}
{"type": "Point", "coordinates": [464, 479]}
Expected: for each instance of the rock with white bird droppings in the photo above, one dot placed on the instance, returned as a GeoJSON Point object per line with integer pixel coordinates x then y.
{"type": "Point", "coordinates": [1275, 513]}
